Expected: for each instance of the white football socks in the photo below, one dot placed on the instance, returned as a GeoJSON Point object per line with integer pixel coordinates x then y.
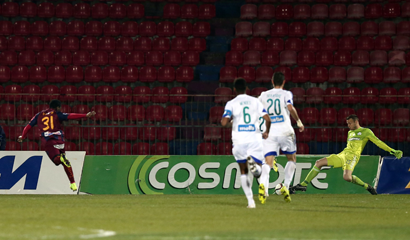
{"type": "Point", "coordinates": [289, 172]}
{"type": "Point", "coordinates": [265, 176]}
{"type": "Point", "coordinates": [247, 190]}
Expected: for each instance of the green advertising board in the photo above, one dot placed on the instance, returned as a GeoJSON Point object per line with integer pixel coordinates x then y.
{"type": "Point", "coordinates": [204, 175]}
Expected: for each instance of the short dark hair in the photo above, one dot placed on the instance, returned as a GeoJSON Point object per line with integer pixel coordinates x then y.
{"type": "Point", "coordinates": [240, 85]}
{"type": "Point", "coordinates": [54, 104]}
{"type": "Point", "coordinates": [278, 78]}
{"type": "Point", "coordinates": [352, 116]}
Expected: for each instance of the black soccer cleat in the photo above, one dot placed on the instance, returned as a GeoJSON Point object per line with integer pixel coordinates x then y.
{"type": "Point", "coordinates": [371, 190]}
{"type": "Point", "coordinates": [298, 188]}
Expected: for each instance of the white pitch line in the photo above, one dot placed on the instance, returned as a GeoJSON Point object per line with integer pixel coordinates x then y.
{"type": "Point", "coordinates": [99, 233]}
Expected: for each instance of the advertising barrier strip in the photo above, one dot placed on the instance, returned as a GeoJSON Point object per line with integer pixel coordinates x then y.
{"type": "Point", "coordinates": [394, 176]}
{"type": "Point", "coordinates": [205, 175]}
{"type": "Point", "coordinates": [32, 172]}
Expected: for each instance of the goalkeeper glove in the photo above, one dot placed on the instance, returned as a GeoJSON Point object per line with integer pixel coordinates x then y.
{"type": "Point", "coordinates": [397, 153]}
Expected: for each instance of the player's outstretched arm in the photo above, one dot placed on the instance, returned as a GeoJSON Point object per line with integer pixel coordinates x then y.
{"type": "Point", "coordinates": [397, 153]}
{"type": "Point", "coordinates": [295, 116]}
{"type": "Point", "coordinates": [91, 114]}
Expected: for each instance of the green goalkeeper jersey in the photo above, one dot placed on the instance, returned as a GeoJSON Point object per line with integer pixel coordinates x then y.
{"type": "Point", "coordinates": [357, 139]}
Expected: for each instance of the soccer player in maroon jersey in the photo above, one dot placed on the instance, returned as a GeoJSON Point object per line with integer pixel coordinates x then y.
{"type": "Point", "coordinates": [49, 122]}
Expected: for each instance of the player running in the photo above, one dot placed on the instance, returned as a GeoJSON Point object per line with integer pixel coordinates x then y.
{"type": "Point", "coordinates": [245, 111]}
{"type": "Point", "coordinates": [49, 122]}
{"type": "Point", "coordinates": [279, 104]}
{"type": "Point", "coordinates": [357, 138]}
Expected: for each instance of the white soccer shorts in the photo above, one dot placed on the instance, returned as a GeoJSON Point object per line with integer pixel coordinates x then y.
{"type": "Point", "coordinates": [253, 149]}
{"type": "Point", "coordinates": [272, 145]}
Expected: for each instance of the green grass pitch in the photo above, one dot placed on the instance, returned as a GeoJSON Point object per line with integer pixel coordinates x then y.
{"type": "Point", "coordinates": [204, 217]}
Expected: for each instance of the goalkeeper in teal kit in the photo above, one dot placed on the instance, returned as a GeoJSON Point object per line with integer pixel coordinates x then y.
{"type": "Point", "coordinates": [349, 157]}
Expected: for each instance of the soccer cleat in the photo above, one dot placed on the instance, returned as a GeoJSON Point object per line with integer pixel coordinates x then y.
{"type": "Point", "coordinates": [275, 166]}
{"type": "Point", "coordinates": [73, 187]}
{"type": "Point", "coordinates": [285, 193]}
{"type": "Point", "coordinates": [251, 205]}
{"type": "Point", "coordinates": [371, 190]}
{"type": "Point", "coordinates": [262, 196]}
{"type": "Point", "coordinates": [64, 160]}
{"type": "Point", "coordinates": [298, 188]}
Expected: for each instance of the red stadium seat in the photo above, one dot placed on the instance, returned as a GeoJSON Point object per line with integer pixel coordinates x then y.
{"type": "Point", "coordinates": [45, 57]}
{"type": "Point", "coordinates": [58, 28]}
{"type": "Point", "coordinates": [56, 74]}
{"type": "Point", "coordinates": [188, 11]}
{"type": "Point", "coordinates": [337, 11]}
{"type": "Point", "coordinates": [373, 75]}
{"type": "Point", "coordinates": [269, 58]}
{"type": "Point", "coordinates": [37, 74]}
{"type": "Point", "coordinates": [233, 58]}
{"type": "Point", "coordinates": [160, 95]}
{"type": "Point", "coordinates": [227, 74]}
{"type": "Point", "coordinates": [22, 28]}
{"type": "Point", "coordinates": [212, 133]}
{"type": "Point", "coordinates": [206, 11]}
{"type": "Point", "coordinates": [33, 93]}
{"type": "Point", "coordinates": [129, 132]}
{"type": "Point", "coordinates": [251, 58]}
{"type": "Point", "coordinates": [64, 10]}
{"type": "Point", "coordinates": [148, 74]}
{"type": "Point", "coordinates": [111, 74]}
{"type": "Point", "coordinates": [101, 111]}
{"type": "Point", "coordinates": [19, 74]}
{"type": "Point", "coordinates": [4, 74]}
{"type": "Point", "coordinates": [360, 58]}
{"type": "Point", "coordinates": [351, 29]}
{"type": "Point", "coordinates": [215, 114]}
{"type": "Point", "coordinates": [315, 29]}
{"type": "Point", "coordinates": [294, 44]}
{"type": "Point", "coordinates": [123, 94]}
{"type": "Point", "coordinates": [160, 44]}
{"type": "Point", "coordinates": [369, 28]}
{"type": "Point", "coordinates": [315, 95]}
{"type": "Point", "coordinates": [117, 113]}
{"type": "Point", "coordinates": [154, 58]}
{"type": "Point", "coordinates": [40, 28]}
{"type": "Point", "coordinates": [403, 96]}
{"type": "Point", "coordinates": [179, 44]}
{"type": "Point", "coordinates": [104, 148]}
{"type": "Point", "coordinates": [112, 28]}
{"type": "Point", "coordinates": [99, 58]}
{"type": "Point", "coordinates": [388, 95]}
{"type": "Point", "coordinates": [401, 43]}
{"type": "Point", "coordinates": [8, 58]}
{"type": "Point", "coordinates": [397, 58]}
{"type": "Point", "coordinates": [63, 57]}
{"type": "Point", "coordinates": [155, 113]}
{"type": "Point", "coordinates": [319, 11]}
{"type": "Point", "coordinates": [383, 43]}
{"type": "Point", "coordinates": [173, 113]}
{"type": "Point", "coordinates": [72, 133]}
{"type": "Point", "coordinates": [122, 148]}
{"type": "Point", "coordinates": [347, 43]}
{"type": "Point", "coordinates": [117, 58]}
{"type": "Point", "coordinates": [288, 58]}
{"type": "Point", "coordinates": [256, 92]}
{"type": "Point", "coordinates": [311, 44]}
{"type": "Point", "coordinates": [75, 28]}
{"type": "Point", "coordinates": [342, 58]}
{"type": "Point", "coordinates": [136, 58]}
{"type": "Point", "coordinates": [165, 29]}
{"type": "Point", "coordinates": [306, 58]}
{"type": "Point", "coordinates": [310, 115]}
{"type": "Point", "coordinates": [403, 27]}
{"type": "Point", "coordinates": [365, 43]}
{"type": "Point", "coordinates": [243, 29]}
{"type": "Point", "coordinates": [183, 29]}
{"type": "Point", "coordinates": [319, 75]}
{"type": "Point", "coordinates": [52, 43]}
{"type": "Point", "coordinates": [142, 94]}
{"type": "Point", "coordinates": [8, 111]}
{"type": "Point", "coordinates": [387, 28]}
{"type": "Point", "coordinates": [373, 10]}
{"type": "Point", "coordinates": [105, 93]}
{"type": "Point", "coordinates": [91, 132]}
{"type": "Point", "coordinates": [184, 74]}
{"type": "Point", "coordinates": [99, 11]}
{"type": "Point", "coordinates": [401, 117]}
{"type": "Point", "coordinates": [351, 95]}
{"type": "Point", "coordinates": [384, 117]}
{"type": "Point", "coordinates": [117, 11]}
{"type": "Point", "coordinates": [201, 29]}
{"type": "Point", "coordinates": [45, 10]}
{"type": "Point", "coordinates": [70, 43]}
{"type": "Point", "coordinates": [197, 44]}
{"type": "Point", "coordinates": [301, 11]}
{"type": "Point", "coordinates": [366, 116]}
{"type": "Point", "coordinates": [333, 29]}
{"type": "Point", "coordinates": [160, 148]}
{"type": "Point", "coordinates": [378, 58]}
{"type": "Point", "coordinates": [206, 149]}
{"type": "Point", "coordinates": [300, 75]}
{"type": "Point", "coordinates": [166, 74]}
{"type": "Point", "coordinates": [275, 44]}
{"type": "Point", "coordinates": [81, 58]}
{"type": "Point", "coordinates": [129, 29]}
{"type": "Point", "coordinates": [279, 29]}
{"type": "Point", "coordinates": [74, 74]}
{"type": "Point", "coordinates": [391, 75]}
{"type": "Point", "coordinates": [172, 11]}
{"type": "Point", "coordinates": [302, 148]}
{"type": "Point", "coordinates": [333, 95]}
{"type": "Point", "coordinates": [284, 12]}
{"type": "Point", "coordinates": [223, 94]}
{"type": "Point", "coordinates": [370, 95]}
{"type": "Point", "coordinates": [16, 43]}
{"type": "Point", "coordinates": [263, 74]}
{"type": "Point", "coordinates": [328, 116]}
{"type": "Point", "coordinates": [261, 29]}
{"type": "Point", "coordinates": [6, 28]}
{"type": "Point", "coordinates": [34, 43]}
{"type": "Point", "coordinates": [224, 148]}
{"type": "Point", "coordinates": [129, 74]}
{"type": "Point", "coordinates": [106, 44]}
{"type": "Point", "coordinates": [68, 93]}
{"type": "Point", "coordinates": [27, 57]}
{"type": "Point", "coordinates": [3, 43]}
{"type": "Point", "coordinates": [355, 11]}
{"type": "Point", "coordinates": [342, 114]}
{"type": "Point", "coordinates": [173, 58]}
{"type": "Point", "coordinates": [148, 29]}
{"type": "Point", "coordinates": [391, 10]}
{"type": "Point", "coordinates": [141, 148]}
{"type": "Point", "coordinates": [324, 58]}
{"type": "Point", "coordinates": [266, 11]}
{"type": "Point", "coordinates": [249, 11]}
{"type": "Point", "coordinates": [298, 95]}
{"type": "Point", "coordinates": [247, 73]}
{"type": "Point", "coordinates": [136, 113]}
{"type": "Point", "coordinates": [239, 44]}
{"type": "Point", "coordinates": [286, 71]}
{"type": "Point", "coordinates": [329, 44]}
{"type": "Point", "coordinates": [81, 10]}
{"type": "Point", "coordinates": [135, 11]}
{"type": "Point", "coordinates": [49, 92]}
{"type": "Point", "coordinates": [89, 44]}
{"type": "Point", "coordinates": [178, 95]}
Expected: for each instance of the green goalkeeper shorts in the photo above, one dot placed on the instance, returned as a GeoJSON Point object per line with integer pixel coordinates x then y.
{"type": "Point", "coordinates": [345, 160]}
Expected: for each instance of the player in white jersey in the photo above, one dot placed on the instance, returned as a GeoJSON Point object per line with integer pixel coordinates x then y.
{"type": "Point", "coordinates": [279, 105]}
{"type": "Point", "coordinates": [244, 111]}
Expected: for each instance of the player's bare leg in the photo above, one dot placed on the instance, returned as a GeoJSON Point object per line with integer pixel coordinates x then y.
{"type": "Point", "coordinates": [246, 185]}
{"type": "Point", "coordinates": [349, 177]}
{"type": "Point", "coordinates": [312, 174]}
